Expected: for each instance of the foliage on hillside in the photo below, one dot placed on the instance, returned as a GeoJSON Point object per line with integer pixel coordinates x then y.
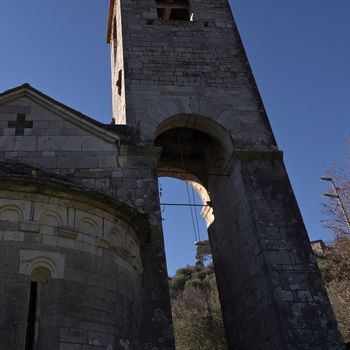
{"type": "Point", "coordinates": [196, 308]}
{"type": "Point", "coordinates": [335, 269]}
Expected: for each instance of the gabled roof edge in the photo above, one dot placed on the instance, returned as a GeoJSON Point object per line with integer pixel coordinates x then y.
{"type": "Point", "coordinates": [28, 87]}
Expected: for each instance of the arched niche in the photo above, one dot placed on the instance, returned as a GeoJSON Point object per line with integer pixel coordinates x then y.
{"type": "Point", "coordinates": [51, 218]}
{"type": "Point", "coordinates": [11, 213]}
{"type": "Point", "coordinates": [88, 226]}
{"type": "Point", "coordinates": [34, 262]}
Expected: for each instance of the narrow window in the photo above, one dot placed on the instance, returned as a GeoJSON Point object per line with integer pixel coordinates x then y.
{"type": "Point", "coordinates": [174, 10]}
{"type": "Point", "coordinates": [40, 276]}
{"type": "Point", "coordinates": [119, 83]}
{"type": "Point", "coordinates": [115, 42]}
{"type": "Point", "coordinates": [32, 309]}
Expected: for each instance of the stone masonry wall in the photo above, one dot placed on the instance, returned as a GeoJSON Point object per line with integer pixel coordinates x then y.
{"type": "Point", "coordinates": [92, 300]}
{"type": "Point", "coordinates": [180, 67]}
{"type": "Point", "coordinates": [93, 157]}
{"type": "Point", "coordinates": [98, 159]}
{"type": "Point", "coordinates": [269, 287]}
{"type": "Point", "coordinates": [269, 284]}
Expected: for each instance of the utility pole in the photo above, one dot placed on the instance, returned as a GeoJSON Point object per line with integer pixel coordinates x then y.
{"type": "Point", "coordinates": [336, 195]}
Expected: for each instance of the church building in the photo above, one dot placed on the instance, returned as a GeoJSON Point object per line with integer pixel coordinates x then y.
{"type": "Point", "coordinates": [82, 262]}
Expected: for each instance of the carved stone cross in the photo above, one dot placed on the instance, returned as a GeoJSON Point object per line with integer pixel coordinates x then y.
{"type": "Point", "coordinates": [20, 124]}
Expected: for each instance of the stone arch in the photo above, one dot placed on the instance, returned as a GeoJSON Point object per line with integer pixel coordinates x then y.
{"type": "Point", "coordinates": [245, 188]}
{"type": "Point", "coordinates": [133, 251]}
{"type": "Point", "coordinates": [11, 213]}
{"type": "Point", "coordinates": [132, 247]}
{"type": "Point", "coordinates": [207, 210]}
{"type": "Point", "coordinates": [117, 237]}
{"type": "Point", "coordinates": [41, 273]}
{"type": "Point", "coordinates": [42, 264]}
{"type": "Point", "coordinates": [51, 218]}
{"type": "Point", "coordinates": [200, 123]}
{"type": "Point", "coordinates": [196, 154]}
{"type": "Point", "coordinates": [211, 145]}
{"type": "Point", "coordinates": [40, 277]}
{"type": "Point", "coordinates": [36, 263]}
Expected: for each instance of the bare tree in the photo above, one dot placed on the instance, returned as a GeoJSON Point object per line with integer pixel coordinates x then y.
{"type": "Point", "coordinates": [335, 265]}
{"type": "Point", "coordinates": [336, 203]}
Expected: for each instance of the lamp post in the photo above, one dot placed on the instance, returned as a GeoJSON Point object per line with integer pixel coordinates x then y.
{"type": "Point", "coordinates": [336, 195]}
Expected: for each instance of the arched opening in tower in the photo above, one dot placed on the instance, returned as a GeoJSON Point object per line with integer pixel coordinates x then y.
{"type": "Point", "coordinates": [196, 309]}
{"type": "Point", "coordinates": [195, 157]}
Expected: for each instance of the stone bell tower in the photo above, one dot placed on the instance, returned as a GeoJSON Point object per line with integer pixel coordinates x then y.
{"type": "Point", "coordinates": [183, 87]}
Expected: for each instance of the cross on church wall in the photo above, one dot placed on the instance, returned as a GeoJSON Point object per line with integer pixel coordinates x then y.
{"type": "Point", "coordinates": [20, 124]}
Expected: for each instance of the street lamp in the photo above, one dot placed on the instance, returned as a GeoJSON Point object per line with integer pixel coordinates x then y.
{"type": "Point", "coordinates": [336, 195]}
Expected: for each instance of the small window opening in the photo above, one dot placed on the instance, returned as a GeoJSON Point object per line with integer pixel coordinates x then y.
{"type": "Point", "coordinates": [31, 323]}
{"type": "Point", "coordinates": [40, 276]}
{"type": "Point", "coordinates": [119, 83]}
{"type": "Point", "coordinates": [115, 42]}
{"type": "Point", "coordinates": [174, 10]}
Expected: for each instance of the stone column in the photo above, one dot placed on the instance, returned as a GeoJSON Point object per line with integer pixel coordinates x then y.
{"type": "Point", "coordinates": [140, 184]}
{"type": "Point", "coordinates": [270, 287]}
{"type": "Point", "coordinates": [157, 331]}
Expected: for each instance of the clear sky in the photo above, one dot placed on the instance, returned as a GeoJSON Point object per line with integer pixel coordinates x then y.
{"type": "Point", "coordinates": [299, 52]}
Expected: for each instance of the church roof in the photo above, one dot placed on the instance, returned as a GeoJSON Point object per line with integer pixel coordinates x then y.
{"type": "Point", "coordinates": [111, 131]}
{"type": "Point", "coordinates": [28, 87]}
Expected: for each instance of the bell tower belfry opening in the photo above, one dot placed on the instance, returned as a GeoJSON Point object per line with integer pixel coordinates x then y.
{"type": "Point", "coordinates": [183, 88]}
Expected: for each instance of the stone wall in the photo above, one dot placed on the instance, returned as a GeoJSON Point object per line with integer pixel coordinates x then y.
{"type": "Point", "coordinates": [268, 278]}
{"type": "Point", "coordinates": [64, 143]}
{"type": "Point", "coordinates": [182, 67]}
{"type": "Point", "coordinates": [96, 157]}
{"type": "Point", "coordinates": [108, 286]}
{"type": "Point", "coordinates": [92, 299]}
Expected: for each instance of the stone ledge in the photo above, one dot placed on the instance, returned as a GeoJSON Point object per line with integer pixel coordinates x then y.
{"type": "Point", "coordinates": [29, 226]}
{"type": "Point", "coordinates": [68, 232]}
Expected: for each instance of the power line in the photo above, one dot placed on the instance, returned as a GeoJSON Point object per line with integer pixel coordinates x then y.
{"type": "Point", "coordinates": [192, 216]}
{"type": "Point", "coordinates": [188, 193]}
{"type": "Point", "coordinates": [196, 214]}
{"type": "Point", "coordinates": [185, 172]}
{"type": "Point", "coordinates": [186, 205]}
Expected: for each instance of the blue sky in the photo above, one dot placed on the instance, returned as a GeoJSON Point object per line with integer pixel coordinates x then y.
{"type": "Point", "coordinates": [299, 52]}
